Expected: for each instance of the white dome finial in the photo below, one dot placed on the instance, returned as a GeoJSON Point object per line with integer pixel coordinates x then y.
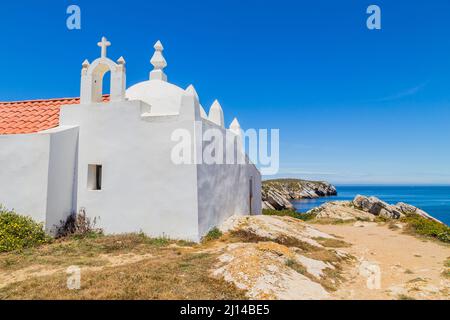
{"type": "Point", "coordinates": [104, 44]}
{"type": "Point", "coordinates": [158, 62]}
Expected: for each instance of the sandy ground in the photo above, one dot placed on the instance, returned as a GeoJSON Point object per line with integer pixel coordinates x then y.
{"type": "Point", "coordinates": [390, 264]}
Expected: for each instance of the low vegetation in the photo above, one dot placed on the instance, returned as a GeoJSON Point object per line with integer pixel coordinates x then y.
{"type": "Point", "coordinates": [322, 254]}
{"type": "Point", "coordinates": [78, 226]}
{"type": "Point", "coordinates": [291, 184]}
{"type": "Point", "coordinates": [330, 282]}
{"type": "Point", "coordinates": [19, 232]}
{"type": "Point", "coordinates": [289, 213]}
{"type": "Point", "coordinates": [135, 266]}
{"type": "Point", "coordinates": [88, 252]}
{"type": "Point", "coordinates": [332, 243]}
{"type": "Point", "coordinates": [213, 234]}
{"type": "Point", "coordinates": [129, 266]}
{"type": "Point", "coordinates": [291, 263]}
{"type": "Point", "coordinates": [425, 227]}
{"type": "Point", "coordinates": [446, 272]}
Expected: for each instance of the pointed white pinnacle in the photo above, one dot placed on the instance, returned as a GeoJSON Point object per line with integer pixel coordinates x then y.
{"type": "Point", "coordinates": [121, 60]}
{"type": "Point", "coordinates": [235, 124]}
{"type": "Point", "coordinates": [216, 114]}
{"type": "Point", "coordinates": [235, 127]}
{"type": "Point", "coordinates": [158, 46]}
{"type": "Point", "coordinates": [190, 106]}
{"type": "Point", "coordinates": [191, 90]}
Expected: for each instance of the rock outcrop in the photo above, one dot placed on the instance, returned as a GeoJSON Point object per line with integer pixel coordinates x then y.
{"type": "Point", "coordinates": [342, 211]}
{"type": "Point", "coordinates": [409, 209]}
{"type": "Point", "coordinates": [261, 270]}
{"type": "Point", "coordinates": [274, 257]}
{"type": "Point", "coordinates": [273, 199]}
{"type": "Point", "coordinates": [377, 207]}
{"type": "Point", "coordinates": [277, 194]}
{"type": "Point", "coordinates": [366, 208]}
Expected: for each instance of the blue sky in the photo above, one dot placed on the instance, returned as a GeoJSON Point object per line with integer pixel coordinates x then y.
{"type": "Point", "coordinates": [352, 105]}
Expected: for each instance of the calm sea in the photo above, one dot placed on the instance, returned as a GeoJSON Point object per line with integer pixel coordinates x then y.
{"type": "Point", "coordinates": [434, 200]}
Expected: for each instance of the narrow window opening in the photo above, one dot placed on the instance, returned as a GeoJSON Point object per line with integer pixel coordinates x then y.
{"type": "Point", "coordinates": [95, 177]}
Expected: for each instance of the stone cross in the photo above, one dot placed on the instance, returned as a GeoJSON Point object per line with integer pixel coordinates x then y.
{"type": "Point", "coordinates": [104, 44]}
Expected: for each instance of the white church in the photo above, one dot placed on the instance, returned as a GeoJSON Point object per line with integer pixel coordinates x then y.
{"type": "Point", "coordinates": [111, 155]}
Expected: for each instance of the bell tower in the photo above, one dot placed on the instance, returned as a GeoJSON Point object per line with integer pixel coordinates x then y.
{"type": "Point", "coordinates": [92, 75]}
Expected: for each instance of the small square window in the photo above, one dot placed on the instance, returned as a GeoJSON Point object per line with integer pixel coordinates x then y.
{"type": "Point", "coordinates": [95, 177]}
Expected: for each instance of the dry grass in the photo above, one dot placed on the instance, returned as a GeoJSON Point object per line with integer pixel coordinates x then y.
{"type": "Point", "coordinates": [332, 221]}
{"type": "Point", "coordinates": [323, 255]}
{"type": "Point", "coordinates": [294, 265]}
{"type": "Point", "coordinates": [246, 236]}
{"type": "Point", "coordinates": [331, 280]}
{"type": "Point", "coordinates": [163, 269]}
{"type": "Point", "coordinates": [304, 248]}
{"type": "Point", "coordinates": [82, 252]}
{"type": "Point", "coordinates": [250, 237]}
{"type": "Point", "coordinates": [170, 276]}
{"type": "Point", "coordinates": [446, 272]}
{"type": "Point", "coordinates": [172, 271]}
{"type": "Point", "coordinates": [332, 243]}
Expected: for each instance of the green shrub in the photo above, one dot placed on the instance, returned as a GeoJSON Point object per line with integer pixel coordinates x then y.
{"type": "Point", "coordinates": [213, 234]}
{"type": "Point", "coordinates": [289, 213]}
{"type": "Point", "coordinates": [18, 232]}
{"type": "Point", "coordinates": [158, 242]}
{"type": "Point", "coordinates": [291, 263]}
{"type": "Point", "coordinates": [426, 227]}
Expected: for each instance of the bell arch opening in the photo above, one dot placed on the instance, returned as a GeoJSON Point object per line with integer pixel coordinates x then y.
{"type": "Point", "coordinates": [101, 82]}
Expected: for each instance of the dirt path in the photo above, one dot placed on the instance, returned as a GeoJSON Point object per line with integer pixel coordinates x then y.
{"type": "Point", "coordinates": [408, 267]}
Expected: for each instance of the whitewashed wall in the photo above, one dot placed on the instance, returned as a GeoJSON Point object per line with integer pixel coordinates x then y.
{"type": "Point", "coordinates": [37, 174]}
{"type": "Point", "coordinates": [224, 190]}
{"type": "Point", "coordinates": [142, 190]}
{"type": "Point", "coordinates": [61, 192]}
{"type": "Point", "coordinates": [24, 173]}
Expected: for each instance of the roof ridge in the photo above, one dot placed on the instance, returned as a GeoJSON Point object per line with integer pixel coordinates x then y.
{"type": "Point", "coordinates": [47, 99]}
{"type": "Point", "coordinates": [40, 100]}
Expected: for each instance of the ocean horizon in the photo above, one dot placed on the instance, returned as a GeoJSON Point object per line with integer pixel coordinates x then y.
{"type": "Point", "coordinates": [433, 199]}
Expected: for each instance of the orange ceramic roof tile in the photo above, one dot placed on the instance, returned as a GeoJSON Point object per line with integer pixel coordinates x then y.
{"type": "Point", "coordinates": [19, 117]}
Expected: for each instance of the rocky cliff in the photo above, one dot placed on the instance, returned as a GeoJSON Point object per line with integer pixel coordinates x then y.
{"type": "Point", "coordinates": [367, 208]}
{"type": "Point", "coordinates": [277, 194]}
